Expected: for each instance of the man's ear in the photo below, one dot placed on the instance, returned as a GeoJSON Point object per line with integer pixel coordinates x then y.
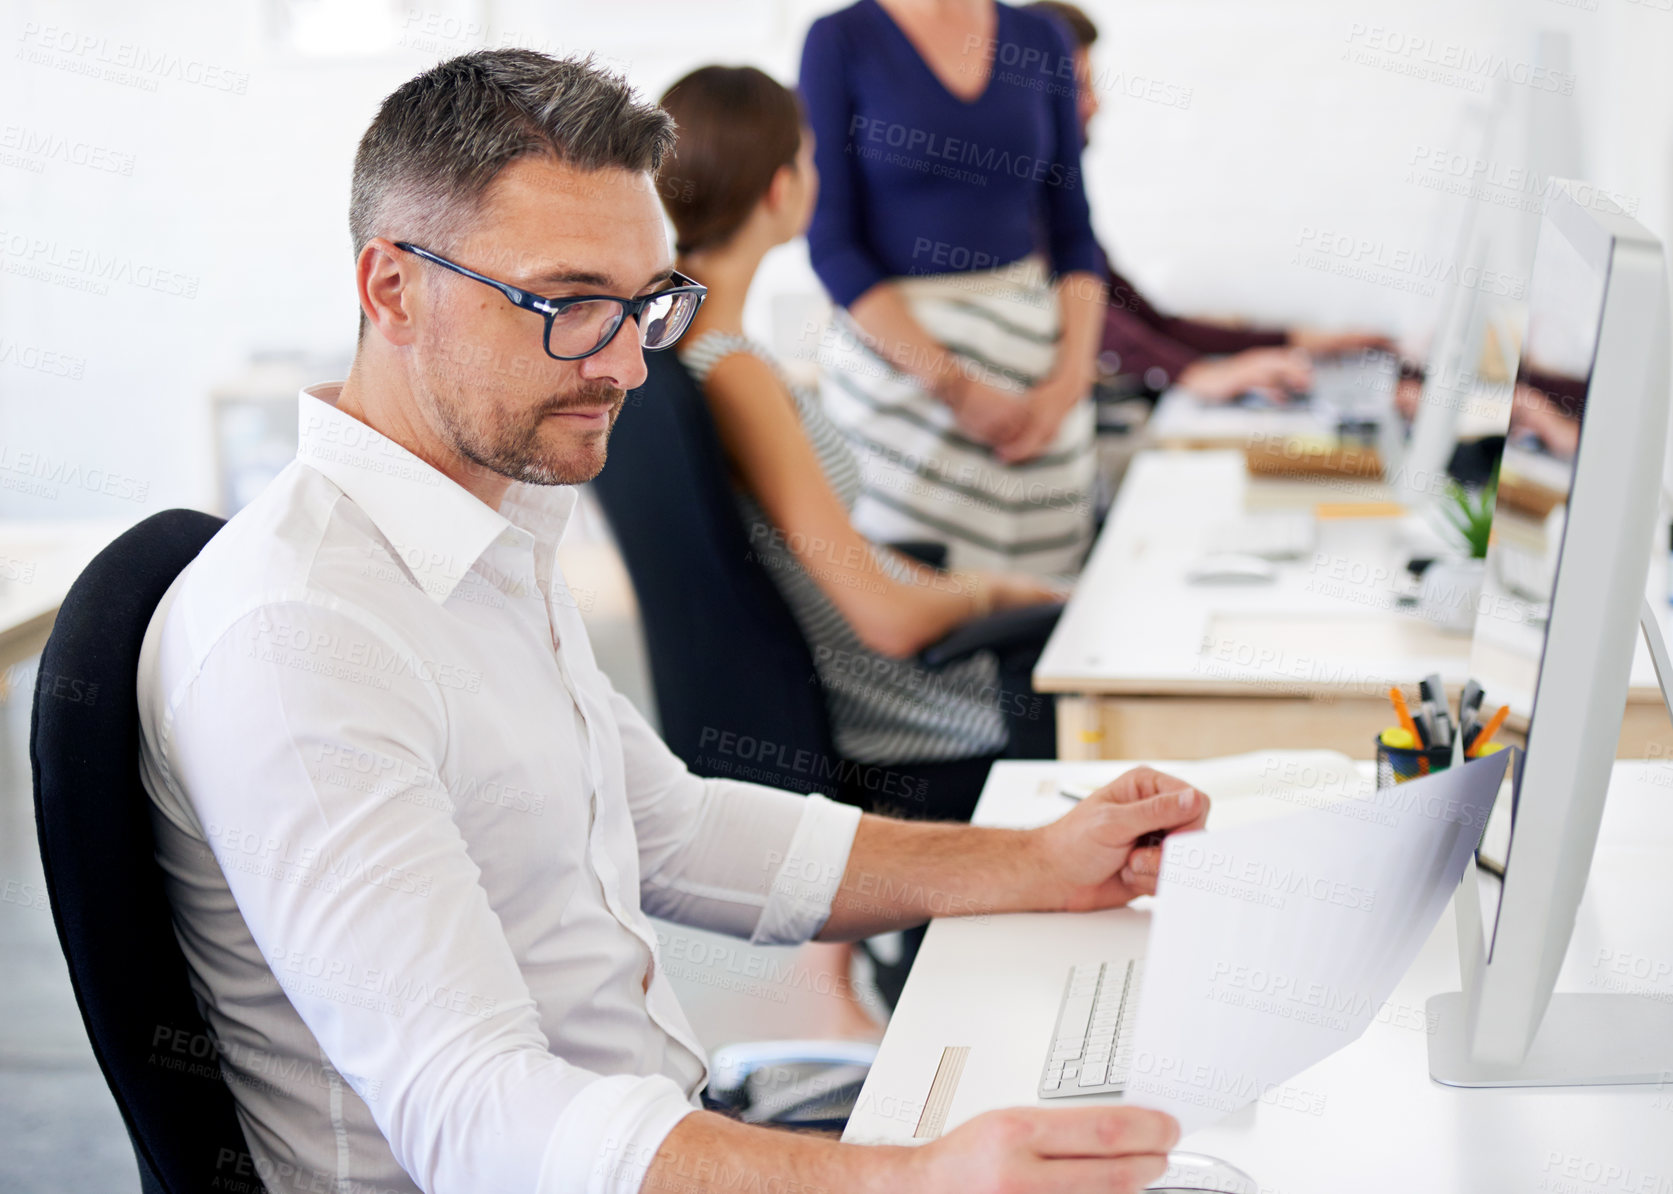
{"type": "Point", "coordinates": [386, 282]}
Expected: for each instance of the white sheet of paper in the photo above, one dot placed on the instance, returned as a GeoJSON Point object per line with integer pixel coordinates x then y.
{"type": "Point", "coordinates": [1272, 945]}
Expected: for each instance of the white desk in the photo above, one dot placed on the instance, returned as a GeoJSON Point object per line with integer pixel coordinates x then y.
{"type": "Point", "coordinates": [1148, 663]}
{"type": "Point", "coordinates": [1366, 1119]}
{"type": "Point", "coordinates": [1182, 420]}
{"type": "Point", "coordinates": [39, 560]}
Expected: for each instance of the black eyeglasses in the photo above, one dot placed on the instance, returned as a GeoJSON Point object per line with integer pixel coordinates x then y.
{"type": "Point", "coordinates": [583, 324]}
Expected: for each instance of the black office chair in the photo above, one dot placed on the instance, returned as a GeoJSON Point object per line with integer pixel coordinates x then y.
{"type": "Point", "coordinates": [108, 901]}
{"type": "Point", "coordinates": [727, 660]}
{"type": "Point", "coordinates": [734, 680]}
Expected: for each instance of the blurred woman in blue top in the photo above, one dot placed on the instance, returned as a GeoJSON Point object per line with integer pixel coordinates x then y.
{"type": "Point", "coordinates": [953, 233]}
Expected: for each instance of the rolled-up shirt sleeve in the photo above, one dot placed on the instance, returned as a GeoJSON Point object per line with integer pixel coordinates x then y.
{"type": "Point", "coordinates": [735, 857]}
{"type": "Point", "coordinates": [366, 888]}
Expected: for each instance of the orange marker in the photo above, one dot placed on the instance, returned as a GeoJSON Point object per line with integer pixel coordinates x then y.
{"type": "Point", "coordinates": [1488, 730]}
{"type": "Point", "coordinates": [1410, 726]}
{"type": "Point", "coordinates": [1404, 714]}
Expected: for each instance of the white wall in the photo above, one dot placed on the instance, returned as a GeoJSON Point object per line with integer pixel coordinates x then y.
{"type": "Point", "coordinates": [204, 188]}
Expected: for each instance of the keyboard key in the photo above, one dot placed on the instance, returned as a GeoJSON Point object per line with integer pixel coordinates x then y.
{"type": "Point", "coordinates": [1077, 1013]}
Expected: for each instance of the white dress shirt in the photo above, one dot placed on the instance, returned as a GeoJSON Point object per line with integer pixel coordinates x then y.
{"type": "Point", "coordinates": [412, 836]}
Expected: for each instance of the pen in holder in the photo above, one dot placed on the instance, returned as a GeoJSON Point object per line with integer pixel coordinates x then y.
{"type": "Point", "coordinates": [1397, 764]}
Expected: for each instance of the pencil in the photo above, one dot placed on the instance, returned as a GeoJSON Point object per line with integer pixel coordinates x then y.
{"type": "Point", "coordinates": [1488, 730]}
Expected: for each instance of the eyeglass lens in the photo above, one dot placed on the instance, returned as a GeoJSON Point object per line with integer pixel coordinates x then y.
{"type": "Point", "coordinates": [580, 328]}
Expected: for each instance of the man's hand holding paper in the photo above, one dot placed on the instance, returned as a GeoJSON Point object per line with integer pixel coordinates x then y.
{"type": "Point", "coordinates": [1097, 854]}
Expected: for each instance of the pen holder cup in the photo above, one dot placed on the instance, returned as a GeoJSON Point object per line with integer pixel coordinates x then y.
{"type": "Point", "coordinates": [1395, 765]}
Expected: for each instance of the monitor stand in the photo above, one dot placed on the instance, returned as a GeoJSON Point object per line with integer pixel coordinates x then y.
{"type": "Point", "coordinates": [1583, 1039]}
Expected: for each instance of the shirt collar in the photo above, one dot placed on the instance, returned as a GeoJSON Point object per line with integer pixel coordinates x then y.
{"type": "Point", "coordinates": [438, 528]}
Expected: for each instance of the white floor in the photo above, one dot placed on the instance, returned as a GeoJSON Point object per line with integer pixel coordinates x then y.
{"type": "Point", "coordinates": [59, 1130]}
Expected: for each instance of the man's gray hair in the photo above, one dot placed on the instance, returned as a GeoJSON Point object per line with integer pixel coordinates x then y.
{"type": "Point", "coordinates": [440, 139]}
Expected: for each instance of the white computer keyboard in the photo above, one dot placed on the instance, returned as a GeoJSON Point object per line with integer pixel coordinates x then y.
{"type": "Point", "coordinates": [1092, 1043]}
{"type": "Point", "coordinates": [1527, 574]}
{"type": "Point", "coordinates": [1280, 535]}
{"type": "Point", "coordinates": [1360, 384]}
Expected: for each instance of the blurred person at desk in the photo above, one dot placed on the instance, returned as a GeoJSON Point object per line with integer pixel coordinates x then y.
{"type": "Point", "coordinates": [1544, 422]}
{"type": "Point", "coordinates": [953, 234]}
{"type": "Point", "coordinates": [746, 184]}
{"type": "Point", "coordinates": [411, 835]}
{"type": "Point", "coordinates": [1550, 398]}
{"type": "Point", "coordinates": [1216, 362]}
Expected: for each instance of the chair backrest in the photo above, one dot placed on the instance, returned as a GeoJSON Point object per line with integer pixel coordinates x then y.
{"type": "Point", "coordinates": [107, 893]}
{"type": "Point", "coordinates": [736, 692]}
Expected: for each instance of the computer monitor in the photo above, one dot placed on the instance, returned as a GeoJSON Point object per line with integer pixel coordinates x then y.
{"type": "Point", "coordinates": [1452, 384]}
{"type": "Point", "coordinates": [1561, 608]}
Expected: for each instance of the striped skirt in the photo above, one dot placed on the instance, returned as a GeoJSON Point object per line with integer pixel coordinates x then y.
{"type": "Point", "coordinates": [922, 476]}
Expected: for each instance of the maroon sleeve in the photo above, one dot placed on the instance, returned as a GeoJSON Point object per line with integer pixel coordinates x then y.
{"type": "Point", "coordinates": [1143, 338]}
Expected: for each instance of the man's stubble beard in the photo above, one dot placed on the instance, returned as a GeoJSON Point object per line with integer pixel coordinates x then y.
{"type": "Point", "coordinates": [510, 449]}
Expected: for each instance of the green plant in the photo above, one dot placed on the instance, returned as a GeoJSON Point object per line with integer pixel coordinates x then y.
{"type": "Point", "coordinates": [1468, 514]}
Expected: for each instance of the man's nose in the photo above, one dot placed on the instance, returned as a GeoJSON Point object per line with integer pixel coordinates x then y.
{"type": "Point", "coordinates": [620, 362]}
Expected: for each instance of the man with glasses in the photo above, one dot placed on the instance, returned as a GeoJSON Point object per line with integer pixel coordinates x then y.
{"type": "Point", "coordinates": [412, 836]}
